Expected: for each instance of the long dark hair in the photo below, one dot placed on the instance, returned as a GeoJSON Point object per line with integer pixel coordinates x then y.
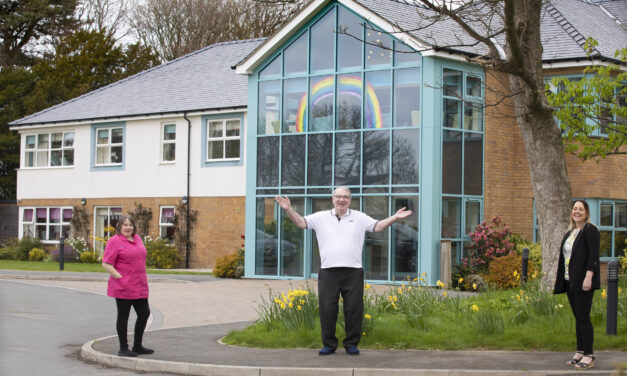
{"type": "Point", "coordinates": [118, 226]}
{"type": "Point", "coordinates": [573, 225]}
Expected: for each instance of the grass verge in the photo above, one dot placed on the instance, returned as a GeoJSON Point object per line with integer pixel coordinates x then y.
{"type": "Point", "coordinates": [75, 267]}
{"type": "Point", "coordinates": [523, 319]}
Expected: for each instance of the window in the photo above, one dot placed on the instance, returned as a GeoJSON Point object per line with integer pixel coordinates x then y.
{"type": "Point", "coordinates": [106, 218]}
{"type": "Point", "coordinates": [223, 139]}
{"type": "Point", "coordinates": [48, 223]}
{"type": "Point", "coordinates": [613, 228]}
{"type": "Point", "coordinates": [166, 222]}
{"type": "Point", "coordinates": [168, 143]}
{"type": "Point", "coordinates": [109, 142]}
{"type": "Point", "coordinates": [54, 149]}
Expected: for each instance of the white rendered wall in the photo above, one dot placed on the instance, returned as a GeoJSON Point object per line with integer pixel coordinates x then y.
{"type": "Point", "coordinates": [143, 174]}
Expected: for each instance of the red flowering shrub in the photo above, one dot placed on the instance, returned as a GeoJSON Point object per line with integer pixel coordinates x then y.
{"type": "Point", "coordinates": [488, 243]}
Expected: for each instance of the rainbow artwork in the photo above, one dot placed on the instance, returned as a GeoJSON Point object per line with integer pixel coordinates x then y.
{"type": "Point", "coordinates": [348, 85]}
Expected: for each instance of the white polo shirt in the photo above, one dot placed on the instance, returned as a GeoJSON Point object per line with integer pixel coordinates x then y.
{"type": "Point", "coordinates": [340, 240]}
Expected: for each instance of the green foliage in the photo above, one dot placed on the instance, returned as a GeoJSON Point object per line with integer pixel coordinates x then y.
{"type": "Point", "coordinates": [231, 265]}
{"type": "Point", "coordinates": [78, 244]}
{"type": "Point", "coordinates": [8, 253]}
{"type": "Point", "coordinates": [184, 222]}
{"type": "Point", "coordinates": [594, 103]}
{"type": "Point", "coordinates": [36, 254]}
{"type": "Point", "coordinates": [504, 272]}
{"type": "Point", "coordinates": [160, 253]}
{"type": "Point", "coordinates": [623, 263]}
{"type": "Point", "coordinates": [488, 323]}
{"type": "Point", "coordinates": [27, 21]}
{"type": "Point", "coordinates": [89, 257]}
{"type": "Point", "coordinates": [25, 245]}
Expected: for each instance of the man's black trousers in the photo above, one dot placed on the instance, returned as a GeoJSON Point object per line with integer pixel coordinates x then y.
{"type": "Point", "coordinates": [349, 283]}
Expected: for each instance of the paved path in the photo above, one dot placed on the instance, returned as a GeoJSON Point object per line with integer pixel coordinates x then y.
{"type": "Point", "coordinates": [196, 314]}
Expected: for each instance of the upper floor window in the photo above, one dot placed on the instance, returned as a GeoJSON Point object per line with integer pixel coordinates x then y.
{"type": "Point", "coordinates": [47, 224]}
{"type": "Point", "coordinates": [168, 142]}
{"type": "Point", "coordinates": [51, 149]}
{"type": "Point", "coordinates": [109, 143]}
{"type": "Point", "coordinates": [223, 139]}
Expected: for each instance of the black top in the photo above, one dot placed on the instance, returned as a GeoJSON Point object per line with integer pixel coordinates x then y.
{"type": "Point", "coordinates": [584, 257]}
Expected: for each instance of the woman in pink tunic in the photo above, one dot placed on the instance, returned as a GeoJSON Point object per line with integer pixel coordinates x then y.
{"type": "Point", "coordinates": [125, 260]}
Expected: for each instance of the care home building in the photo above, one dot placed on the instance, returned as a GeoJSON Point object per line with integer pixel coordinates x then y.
{"type": "Point", "coordinates": [395, 112]}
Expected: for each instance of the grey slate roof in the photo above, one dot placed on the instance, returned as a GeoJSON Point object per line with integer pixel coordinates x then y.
{"type": "Point", "coordinates": [204, 79]}
{"type": "Point", "coordinates": [201, 80]}
{"type": "Point", "coordinates": [565, 26]}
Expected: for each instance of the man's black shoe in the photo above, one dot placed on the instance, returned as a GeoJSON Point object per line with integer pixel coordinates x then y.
{"type": "Point", "coordinates": [352, 350]}
{"type": "Point", "coordinates": [126, 352]}
{"type": "Point", "coordinates": [326, 350]}
{"type": "Point", "coordinates": [143, 350]}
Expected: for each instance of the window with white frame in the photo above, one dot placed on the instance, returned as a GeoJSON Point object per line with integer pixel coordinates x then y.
{"type": "Point", "coordinates": [223, 139]}
{"type": "Point", "coordinates": [105, 220]}
{"type": "Point", "coordinates": [166, 222]}
{"type": "Point", "coordinates": [51, 149]}
{"type": "Point", "coordinates": [168, 142]}
{"type": "Point", "coordinates": [109, 142]}
{"type": "Point", "coordinates": [47, 223]}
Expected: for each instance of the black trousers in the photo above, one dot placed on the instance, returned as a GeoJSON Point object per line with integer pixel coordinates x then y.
{"type": "Point", "coordinates": [349, 282]}
{"type": "Point", "coordinates": [581, 304]}
{"type": "Point", "coordinates": [124, 309]}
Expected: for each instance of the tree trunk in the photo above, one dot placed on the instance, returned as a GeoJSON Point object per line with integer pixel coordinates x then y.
{"type": "Point", "coordinates": [542, 137]}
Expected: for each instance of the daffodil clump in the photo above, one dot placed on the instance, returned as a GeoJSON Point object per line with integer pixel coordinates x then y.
{"type": "Point", "coordinates": [298, 309]}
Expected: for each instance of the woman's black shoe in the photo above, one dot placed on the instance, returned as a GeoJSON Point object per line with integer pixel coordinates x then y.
{"type": "Point", "coordinates": [126, 352]}
{"type": "Point", "coordinates": [143, 350]}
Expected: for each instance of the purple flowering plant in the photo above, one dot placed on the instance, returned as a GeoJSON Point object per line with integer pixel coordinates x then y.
{"type": "Point", "coordinates": [488, 243]}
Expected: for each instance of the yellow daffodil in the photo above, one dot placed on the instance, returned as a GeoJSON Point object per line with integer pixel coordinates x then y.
{"type": "Point", "coordinates": [408, 288]}
{"type": "Point", "coordinates": [393, 305]}
{"type": "Point", "coordinates": [400, 290]}
{"type": "Point", "coordinates": [603, 294]}
{"type": "Point", "coordinates": [474, 286]}
{"type": "Point", "coordinates": [367, 286]}
{"type": "Point", "coordinates": [389, 297]}
{"type": "Point", "coordinates": [460, 280]}
{"type": "Point", "coordinates": [424, 274]}
{"type": "Point", "coordinates": [301, 301]}
{"type": "Point", "coordinates": [415, 279]}
{"type": "Point", "coordinates": [367, 316]}
{"type": "Point", "coordinates": [363, 334]}
{"type": "Point", "coordinates": [518, 297]}
{"type": "Point", "coordinates": [475, 308]}
{"type": "Point", "coordinates": [282, 306]}
{"type": "Point", "coordinates": [444, 293]}
{"type": "Point", "coordinates": [422, 279]}
{"type": "Point", "coordinates": [298, 307]}
{"type": "Point", "coordinates": [440, 283]}
{"type": "Point", "coordinates": [515, 273]}
{"type": "Point", "coordinates": [291, 305]}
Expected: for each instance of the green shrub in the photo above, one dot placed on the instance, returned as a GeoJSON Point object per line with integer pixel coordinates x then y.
{"type": "Point", "coordinates": [231, 265]}
{"type": "Point", "coordinates": [25, 245]}
{"type": "Point", "coordinates": [161, 254]}
{"type": "Point", "coordinates": [88, 257]}
{"type": "Point", "coordinates": [36, 254]}
{"type": "Point", "coordinates": [8, 253]}
{"type": "Point", "coordinates": [504, 272]}
{"type": "Point", "coordinates": [623, 263]}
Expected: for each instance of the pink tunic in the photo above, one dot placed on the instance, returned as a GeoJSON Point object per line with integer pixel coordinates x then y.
{"type": "Point", "coordinates": [129, 259]}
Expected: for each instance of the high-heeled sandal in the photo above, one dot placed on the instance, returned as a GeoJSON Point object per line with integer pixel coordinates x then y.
{"type": "Point", "coordinates": [584, 365]}
{"type": "Point", "coordinates": [575, 360]}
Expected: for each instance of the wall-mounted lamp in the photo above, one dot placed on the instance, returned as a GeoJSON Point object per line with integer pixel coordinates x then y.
{"type": "Point", "coordinates": [184, 200]}
{"type": "Point", "coordinates": [83, 201]}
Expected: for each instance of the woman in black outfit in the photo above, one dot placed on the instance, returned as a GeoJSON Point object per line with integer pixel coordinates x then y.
{"type": "Point", "coordinates": [578, 277]}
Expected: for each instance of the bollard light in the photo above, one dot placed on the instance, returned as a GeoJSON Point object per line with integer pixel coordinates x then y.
{"type": "Point", "coordinates": [61, 252]}
{"type": "Point", "coordinates": [525, 265]}
{"type": "Point", "coordinates": [612, 298]}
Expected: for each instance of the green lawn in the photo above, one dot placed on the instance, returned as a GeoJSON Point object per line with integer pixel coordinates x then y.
{"type": "Point", "coordinates": [73, 267]}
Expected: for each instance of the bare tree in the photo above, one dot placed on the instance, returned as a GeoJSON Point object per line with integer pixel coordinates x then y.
{"type": "Point", "coordinates": [177, 27]}
{"type": "Point", "coordinates": [108, 16]}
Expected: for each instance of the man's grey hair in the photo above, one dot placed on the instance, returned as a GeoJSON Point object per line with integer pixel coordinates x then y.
{"type": "Point", "coordinates": [343, 188]}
